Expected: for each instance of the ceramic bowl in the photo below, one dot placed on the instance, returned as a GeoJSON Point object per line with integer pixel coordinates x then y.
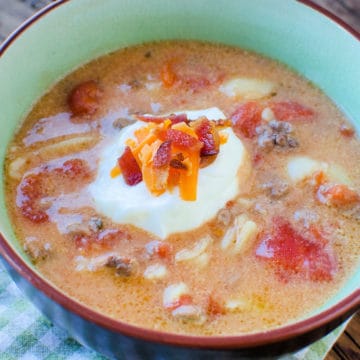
{"type": "Point", "coordinates": [69, 33]}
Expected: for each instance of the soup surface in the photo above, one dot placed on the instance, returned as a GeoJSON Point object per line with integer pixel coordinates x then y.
{"type": "Point", "coordinates": [188, 187]}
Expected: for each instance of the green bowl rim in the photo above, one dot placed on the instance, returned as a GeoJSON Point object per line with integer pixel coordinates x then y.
{"type": "Point", "coordinates": [307, 330]}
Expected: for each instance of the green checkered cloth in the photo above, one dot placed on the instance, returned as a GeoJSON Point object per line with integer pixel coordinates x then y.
{"type": "Point", "coordinates": [25, 334]}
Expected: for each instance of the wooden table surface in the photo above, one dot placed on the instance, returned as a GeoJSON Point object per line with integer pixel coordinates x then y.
{"type": "Point", "coordinates": [13, 12]}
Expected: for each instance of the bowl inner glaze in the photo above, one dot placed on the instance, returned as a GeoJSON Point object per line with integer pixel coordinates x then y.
{"type": "Point", "coordinates": [78, 31]}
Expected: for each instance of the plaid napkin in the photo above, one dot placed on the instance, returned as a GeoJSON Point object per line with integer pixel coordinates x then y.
{"type": "Point", "coordinates": [25, 334]}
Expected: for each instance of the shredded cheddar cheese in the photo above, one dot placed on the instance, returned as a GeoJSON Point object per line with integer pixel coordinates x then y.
{"type": "Point", "coordinates": [168, 154]}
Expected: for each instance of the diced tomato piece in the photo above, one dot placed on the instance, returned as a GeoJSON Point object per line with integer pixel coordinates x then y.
{"type": "Point", "coordinates": [258, 158]}
{"type": "Point", "coordinates": [289, 251]}
{"type": "Point", "coordinates": [129, 167]}
{"type": "Point", "coordinates": [163, 155]}
{"type": "Point", "coordinates": [184, 299]}
{"type": "Point", "coordinates": [208, 136]}
{"type": "Point", "coordinates": [347, 130]}
{"type": "Point", "coordinates": [31, 187]}
{"type": "Point", "coordinates": [74, 169]}
{"type": "Point", "coordinates": [30, 192]}
{"type": "Point", "coordinates": [319, 178]}
{"type": "Point", "coordinates": [100, 241]}
{"type": "Point", "coordinates": [31, 211]}
{"type": "Point", "coordinates": [183, 140]}
{"type": "Point", "coordinates": [290, 110]}
{"type": "Point", "coordinates": [338, 195]}
{"type": "Point", "coordinates": [168, 75]}
{"type": "Point", "coordinates": [84, 99]}
{"type": "Point", "coordinates": [196, 83]}
{"type": "Point", "coordinates": [174, 118]}
{"type": "Point", "coordinates": [159, 248]}
{"type": "Point", "coordinates": [246, 118]}
{"type": "Point", "coordinates": [164, 250]}
{"type": "Point", "coordinates": [215, 306]}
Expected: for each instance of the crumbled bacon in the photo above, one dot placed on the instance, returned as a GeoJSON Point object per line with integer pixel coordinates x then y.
{"type": "Point", "coordinates": [215, 306]}
{"type": "Point", "coordinates": [129, 167]}
{"type": "Point", "coordinates": [182, 140]}
{"type": "Point", "coordinates": [208, 135]}
{"type": "Point", "coordinates": [162, 156]}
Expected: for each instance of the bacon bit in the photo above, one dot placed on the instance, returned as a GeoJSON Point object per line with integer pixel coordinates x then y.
{"type": "Point", "coordinates": [167, 75]}
{"type": "Point", "coordinates": [208, 135]}
{"type": "Point", "coordinates": [293, 254]}
{"type": "Point", "coordinates": [163, 155]}
{"type": "Point", "coordinates": [337, 195]}
{"type": "Point", "coordinates": [84, 98]}
{"type": "Point", "coordinates": [215, 307]}
{"type": "Point", "coordinates": [347, 130]}
{"type": "Point", "coordinates": [246, 118]}
{"type": "Point", "coordinates": [290, 110]}
{"type": "Point", "coordinates": [174, 118]}
{"type": "Point", "coordinates": [129, 167]}
{"type": "Point", "coordinates": [183, 141]}
{"type": "Point", "coordinates": [184, 299]}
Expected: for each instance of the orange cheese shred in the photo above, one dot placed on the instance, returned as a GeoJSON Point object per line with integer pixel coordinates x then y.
{"type": "Point", "coordinates": [177, 163]}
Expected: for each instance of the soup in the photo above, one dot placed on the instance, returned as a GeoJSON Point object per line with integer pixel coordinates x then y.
{"type": "Point", "coordinates": [188, 187]}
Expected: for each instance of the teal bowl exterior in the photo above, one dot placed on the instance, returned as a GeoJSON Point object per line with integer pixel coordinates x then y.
{"type": "Point", "coordinates": [68, 33]}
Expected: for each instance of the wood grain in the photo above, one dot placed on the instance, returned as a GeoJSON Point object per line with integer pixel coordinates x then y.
{"type": "Point", "coordinates": [13, 12]}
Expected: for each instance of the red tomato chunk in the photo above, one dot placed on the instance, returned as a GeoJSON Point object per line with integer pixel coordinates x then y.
{"type": "Point", "coordinates": [292, 253]}
{"type": "Point", "coordinates": [129, 167]}
{"type": "Point", "coordinates": [290, 110]}
{"type": "Point", "coordinates": [84, 98]}
{"type": "Point", "coordinates": [246, 118]}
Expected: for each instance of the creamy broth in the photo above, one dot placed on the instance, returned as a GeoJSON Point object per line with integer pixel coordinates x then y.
{"type": "Point", "coordinates": [270, 254]}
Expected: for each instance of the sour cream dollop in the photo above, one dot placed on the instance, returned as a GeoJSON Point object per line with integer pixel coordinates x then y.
{"type": "Point", "coordinates": [168, 213]}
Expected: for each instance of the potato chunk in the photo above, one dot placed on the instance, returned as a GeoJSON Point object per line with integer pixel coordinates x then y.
{"type": "Point", "coordinates": [239, 237]}
{"type": "Point", "coordinates": [247, 88]}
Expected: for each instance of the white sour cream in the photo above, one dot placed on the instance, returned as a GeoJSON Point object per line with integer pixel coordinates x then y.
{"type": "Point", "coordinates": [168, 213]}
